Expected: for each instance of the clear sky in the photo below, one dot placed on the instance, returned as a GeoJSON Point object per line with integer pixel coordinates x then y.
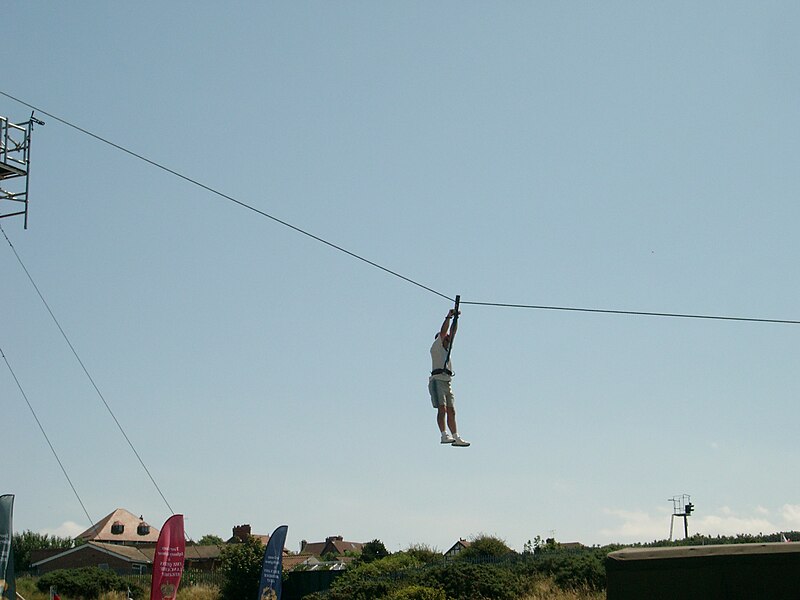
{"type": "Point", "coordinates": [620, 155]}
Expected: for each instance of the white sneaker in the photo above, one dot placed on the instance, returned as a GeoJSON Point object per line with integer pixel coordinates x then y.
{"type": "Point", "coordinates": [447, 438]}
{"type": "Point", "coordinates": [457, 441]}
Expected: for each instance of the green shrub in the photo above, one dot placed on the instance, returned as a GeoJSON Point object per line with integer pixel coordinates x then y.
{"type": "Point", "coordinates": [357, 590]}
{"type": "Point", "coordinates": [373, 580]}
{"type": "Point", "coordinates": [573, 570]}
{"type": "Point", "coordinates": [424, 554]}
{"type": "Point", "coordinates": [390, 568]}
{"type": "Point", "coordinates": [417, 592]}
{"type": "Point", "coordinates": [485, 546]}
{"type": "Point", "coordinates": [87, 583]}
{"type": "Point", "coordinates": [241, 564]}
{"type": "Point", "coordinates": [465, 581]}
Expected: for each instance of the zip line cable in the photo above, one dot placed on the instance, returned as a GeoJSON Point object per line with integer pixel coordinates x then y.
{"type": "Point", "coordinates": [86, 371]}
{"type": "Point", "coordinates": [633, 312]}
{"type": "Point", "coordinates": [49, 443]}
{"type": "Point", "coordinates": [226, 196]}
{"type": "Point", "coordinates": [374, 264]}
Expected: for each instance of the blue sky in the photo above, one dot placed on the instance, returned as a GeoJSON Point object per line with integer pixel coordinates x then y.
{"type": "Point", "coordinates": [618, 155]}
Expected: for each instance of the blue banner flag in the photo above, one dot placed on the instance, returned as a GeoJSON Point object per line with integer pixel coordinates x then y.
{"type": "Point", "coordinates": [7, 587]}
{"type": "Point", "coordinates": [272, 567]}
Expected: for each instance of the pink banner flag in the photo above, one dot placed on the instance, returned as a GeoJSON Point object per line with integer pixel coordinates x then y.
{"type": "Point", "coordinates": [168, 560]}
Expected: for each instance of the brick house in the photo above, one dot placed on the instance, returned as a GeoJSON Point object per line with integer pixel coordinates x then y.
{"type": "Point", "coordinates": [119, 558]}
{"type": "Point", "coordinates": [335, 545]}
{"type": "Point", "coordinates": [121, 527]}
{"type": "Point", "coordinates": [115, 557]}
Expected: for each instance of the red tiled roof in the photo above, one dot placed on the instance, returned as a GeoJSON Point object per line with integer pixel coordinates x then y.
{"type": "Point", "coordinates": [102, 530]}
{"type": "Point", "coordinates": [332, 545]}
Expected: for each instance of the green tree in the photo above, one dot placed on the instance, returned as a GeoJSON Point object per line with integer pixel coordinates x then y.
{"type": "Point", "coordinates": [573, 569]}
{"type": "Point", "coordinates": [27, 541]}
{"type": "Point", "coordinates": [425, 554]}
{"type": "Point", "coordinates": [485, 546]}
{"type": "Point", "coordinates": [368, 581]}
{"type": "Point", "coordinates": [241, 565]}
{"type": "Point", "coordinates": [461, 580]}
{"type": "Point", "coordinates": [372, 551]}
{"type": "Point", "coordinates": [211, 540]}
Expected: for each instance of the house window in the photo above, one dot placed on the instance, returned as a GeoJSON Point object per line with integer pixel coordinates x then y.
{"type": "Point", "coordinates": [138, 569]}
{"type": "Point", "coordinates": [143, 529]}
{"type": "Point", "coordinates": [117, 528]}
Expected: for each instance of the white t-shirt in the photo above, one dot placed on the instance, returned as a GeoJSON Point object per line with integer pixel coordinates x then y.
{"type": "Point", "coordinates": [438, 356]}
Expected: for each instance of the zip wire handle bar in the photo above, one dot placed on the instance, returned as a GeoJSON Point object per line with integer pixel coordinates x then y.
{"type": "Point", "coordinates": [455, 326]}
{"type": "Point", "coordinates": [635, 312]}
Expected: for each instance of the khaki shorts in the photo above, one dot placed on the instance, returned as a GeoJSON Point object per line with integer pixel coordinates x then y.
{"type": "Point", "coordinates": [441, 393]}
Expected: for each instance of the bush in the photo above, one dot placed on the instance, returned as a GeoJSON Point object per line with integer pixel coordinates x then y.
{"type": "Point", "coordinates": [417, 592]}
{"type": "Point", "coordinates": [464, 581]}
{"type": "Point", "coordinates": [361, 590]}
{"type": "Point", "coordinates": [573, 570]}
{"type": "Point", "coordinates": [392, 567]}
{"type": "Point", "coordinates": [368, 581]}
{"type": "Point", "coordinates": [485, 546]}
{"type": "Point", "coordinates": [424, 554]}
{"type": "Point", "coordinates": [241, 564]}
{"type": "Point", "coordinates": [86, 583]}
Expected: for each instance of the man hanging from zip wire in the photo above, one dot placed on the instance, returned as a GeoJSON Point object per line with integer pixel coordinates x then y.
{"type": "Point", "coordinates": [439, 383]}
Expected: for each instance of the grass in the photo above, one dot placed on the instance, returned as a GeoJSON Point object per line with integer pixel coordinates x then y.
{"type": "Point", "coordinates": [195, 592]}
{"type": "Point", "coordinates": [26, 587]}
{"type": "Point", "coordinates": [544, 589]}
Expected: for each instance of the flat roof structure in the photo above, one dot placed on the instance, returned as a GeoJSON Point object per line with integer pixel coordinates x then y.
{"type": "Point", "coordinates": [715, 572]}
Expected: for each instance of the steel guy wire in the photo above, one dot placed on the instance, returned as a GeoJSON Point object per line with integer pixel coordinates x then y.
{"type": "Point", "coordinates": [86, 371]}
{"type": "Point", "coordinates": [44, 433]}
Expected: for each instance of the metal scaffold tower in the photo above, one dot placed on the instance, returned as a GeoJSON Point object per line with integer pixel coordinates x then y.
{"type": "Point", "coordinates": [15, 156]}
{"type": "Point", "coordinates": [681, 507]}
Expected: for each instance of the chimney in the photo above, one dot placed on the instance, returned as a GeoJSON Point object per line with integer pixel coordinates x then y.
{"type": "Point", "coordinates": [241, 532]}
{"type": "Point", "coordinates": [302, 545]}
{"type": "Point", "coordinates": [334, 538]}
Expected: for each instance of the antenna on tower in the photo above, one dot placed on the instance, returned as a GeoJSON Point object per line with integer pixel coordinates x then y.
{"type": "Point", "coordinates": [681, 507]}
{"type": "Point", "coordinates": [15, 159]}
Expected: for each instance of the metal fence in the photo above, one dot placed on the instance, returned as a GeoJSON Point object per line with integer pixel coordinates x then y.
{"type": "Point", "coordinates": [299, 585]}
{"type": "Point", "coordinates": [189, 578]}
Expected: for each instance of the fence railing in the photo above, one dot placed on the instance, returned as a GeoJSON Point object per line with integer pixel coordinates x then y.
{"type": "Point", "coordinates": [14, 144]}
{"type": "Point", "coordinates": [189, 578]}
